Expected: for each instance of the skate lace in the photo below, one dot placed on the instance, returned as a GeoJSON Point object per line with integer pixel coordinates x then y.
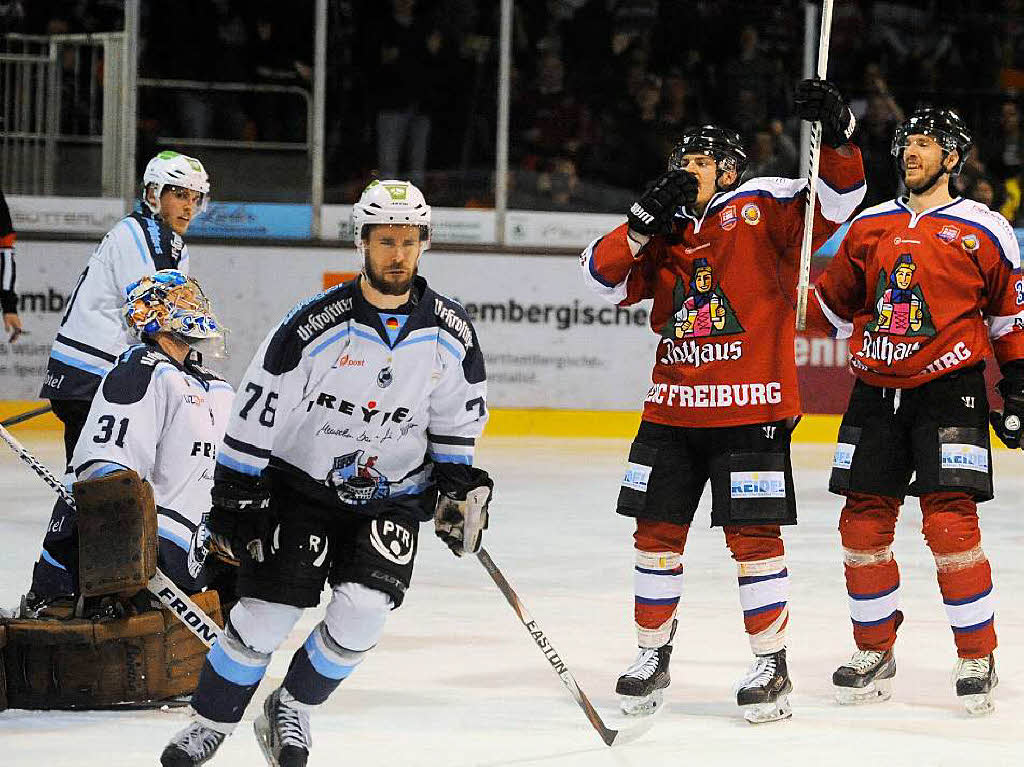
{"type": "Point", "coordinates": [199, 741]}
{"type": "Point", "coordinates": [760, 673]}
{"type": "Point", "coordinates": [293, 726]}
{"type": "Point", "coordinates": [972, 668]}
{"type": "Point", "coordinates": [863, 660]}
{"type": "Point", "coordinates": [645, 665]}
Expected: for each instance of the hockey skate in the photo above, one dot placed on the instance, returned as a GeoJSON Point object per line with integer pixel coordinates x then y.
{"type": "Point", "coordinates": [642, 686]}
{"type": "Point", "coordinates": [865, 678]}
{"type": "Point", "coordinates": [763, 693]}
{"type": "Point", "coordinates": [282, 731]}
{"type": "Point", "coordinates": [975, 679]}
{"type": "Point", "coordinates": [194, 745]}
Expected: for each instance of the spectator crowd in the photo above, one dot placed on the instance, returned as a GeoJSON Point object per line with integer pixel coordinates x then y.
{"type": "Point", "coordinates": [600, 89]}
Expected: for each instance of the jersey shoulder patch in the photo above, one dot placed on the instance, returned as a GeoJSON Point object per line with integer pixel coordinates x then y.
{"type": "Point", "coordinates": [128, 381]}
{"type": "Point", "coordinates": [992, 223]}
{"type": "Point", "coordinates": [306, 322]}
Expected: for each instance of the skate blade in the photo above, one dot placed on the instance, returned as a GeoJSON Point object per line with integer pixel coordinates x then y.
{"type": "Point", "coordinates": [642, 705]}
{"type": "Point", "coordinates": [262, 729]}
{"type": "Point", "coordinates": [978, 705]}
{"type": "Point", "coordinates": [878, 691]}
{"type": "Point", "coordinates": [761, 713]}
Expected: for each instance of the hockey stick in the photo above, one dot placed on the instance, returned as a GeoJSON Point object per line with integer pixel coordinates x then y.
{"type": "Point", "coordinates": [14, 420]}
{"type": "Point", "coordinates": [804, 285]}
{"type": "Point", "coordinates": [608, 735]}
{"type": "Point", "coordinates": [162, 587]}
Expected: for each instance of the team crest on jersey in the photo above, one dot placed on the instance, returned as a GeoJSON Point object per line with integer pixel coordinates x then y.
{"type": "Point", "coordinates": [356, 480]}
{"type": "Point", "coordinates": [948, 233]}
{"type": "Point", "coordinates": [702, 308]}
{"type": "Point", "coordinates": [751, 214]}
{"type": "Point", "coordinates": [970, 242]}
{"type": "Point", "coordinates": [728, 217]}
{"type": "Point", "coordinates": [385, 377]}
{"type": "Point", "coordinates": [900, 306]}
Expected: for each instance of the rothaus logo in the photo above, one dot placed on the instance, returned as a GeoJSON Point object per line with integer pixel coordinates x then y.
{"type": "Point", "coordinates": [674, 352]}
{"type": "Point", "coordinates": [882, 349]}
{"type": "Point", "coordinates": [369, 411]}
{"type": "Point", "coordinates": [324, 318]}
{"type": "Point", "coordinates": [459, 327]}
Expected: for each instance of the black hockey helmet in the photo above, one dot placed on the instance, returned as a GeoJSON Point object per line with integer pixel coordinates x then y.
{"type": "Point", "coordinates": [943, 125]}
{"type": "Point", "coordinates": [724, 145]}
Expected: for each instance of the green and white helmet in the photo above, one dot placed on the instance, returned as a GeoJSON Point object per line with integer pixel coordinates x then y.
{"type": "Point", "coordinates": [391, 202]}
{"type": "Point", "coordinates": [173, 169]}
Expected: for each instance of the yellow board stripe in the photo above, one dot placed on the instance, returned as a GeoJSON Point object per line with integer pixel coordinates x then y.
{"type": "Point", "coordinates": [526, 422]}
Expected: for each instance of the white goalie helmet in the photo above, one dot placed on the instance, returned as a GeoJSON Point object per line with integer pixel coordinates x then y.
{"type": "Point", "coordinates": [175, 169]}
{"type": "Point", "coordinates": [391, 202]}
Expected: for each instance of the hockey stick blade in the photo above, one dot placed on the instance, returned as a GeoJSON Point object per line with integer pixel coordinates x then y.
{"type": "Point", "coordinates": [14, 420]}
{"type": "Point", "coordinates": [160, 586]}
{"type": "Point", "coordinates": [609, 735]}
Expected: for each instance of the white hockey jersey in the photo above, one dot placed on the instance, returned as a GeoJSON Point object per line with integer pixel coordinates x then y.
{"type": "Point", "coordinates": [92, 332]}
{"type": "Point", "coordinates": [350, 406]}
{"type": "Point", "coordinates": [165, 421]}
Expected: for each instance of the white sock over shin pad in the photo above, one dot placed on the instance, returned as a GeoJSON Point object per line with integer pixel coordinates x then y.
{"type": "Point", "coordinates": [657, 584]}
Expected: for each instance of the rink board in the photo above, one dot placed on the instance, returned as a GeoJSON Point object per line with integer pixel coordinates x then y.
{"type": "Point", "coordinates": [549, 342]}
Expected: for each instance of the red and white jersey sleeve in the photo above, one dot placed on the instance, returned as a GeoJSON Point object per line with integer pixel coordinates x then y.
{"type": "Point", "coordinates": [923, 294]}
{"type": "Point", "coordinates": [724, 291]}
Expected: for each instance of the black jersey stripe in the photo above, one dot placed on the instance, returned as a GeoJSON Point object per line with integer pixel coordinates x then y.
{"type": "Point", "coordinates": [82, 347]}
{"type": "Point", "coordinates": [245, 447]}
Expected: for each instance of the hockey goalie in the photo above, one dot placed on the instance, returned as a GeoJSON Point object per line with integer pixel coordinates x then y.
{"type": "Point", "coordinates": [143, 469]}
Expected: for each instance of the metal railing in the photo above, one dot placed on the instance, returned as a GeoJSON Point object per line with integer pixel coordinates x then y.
{"type": "Point", "coordinates": [59, 90]}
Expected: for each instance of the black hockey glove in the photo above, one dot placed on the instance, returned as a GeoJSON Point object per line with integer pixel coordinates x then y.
{"type": "Point", "coordinates": [821, 100]}
{"type": "Point", "coordinates": [464, 494]}
{"type": "Point", "coordinates": [240, 520]}
{"type": "Point", "coordinates": [1007, 424]}
{"type": "Point", "coordinates": [652, 213]}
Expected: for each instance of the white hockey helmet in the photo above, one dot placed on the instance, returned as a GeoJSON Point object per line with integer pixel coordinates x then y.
{"type": "Point", "coordinates": [391, 202]}
{"type": "Point", "coordinates": [174, 169]}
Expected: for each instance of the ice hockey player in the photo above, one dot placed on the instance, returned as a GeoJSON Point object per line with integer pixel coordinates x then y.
{"type": "Point", "coordinates": [8, 273]}
{"type": "Point", "coordinates": [144, 467]}
{"type": "Point", "coordinates": [92, 333]}
{"type": "Point", "coordinates": [720, 259]}
{"type": "Point", "coordinates": [926, 286]}
{"type": "Point", "coordinates": [355, 421]}
{"type": "Point", "coordinates": [160, 413]}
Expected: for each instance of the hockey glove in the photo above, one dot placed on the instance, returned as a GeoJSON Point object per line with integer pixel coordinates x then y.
{"type": "Point", "coordinates": [464, 493]}
{"type": "Point", "coordinates": [240, 520]}
{"type": "Point", "coordinates": [1007, 424]}
{"type": "Point", "coordinates": [652, 213]}
{"type": "Point", "coordinates": [820, 100]}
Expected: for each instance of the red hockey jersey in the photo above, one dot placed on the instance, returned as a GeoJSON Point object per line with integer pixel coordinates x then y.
{"type": "Point", "coordinates": [724, 290]}
{"type": "Point", "coordinates": [922, 294]}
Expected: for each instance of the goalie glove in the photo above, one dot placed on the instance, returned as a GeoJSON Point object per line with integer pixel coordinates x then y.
{"type": "Point", "coordinates": [820, 100]}
{"type": "Point", "coordinates": [1007, 424]}
{"type": "Point", "coordinates": [240, 520]}
{"type": "Point", "coordinates": [464, 494]}
{"type": "Point", "coordinates": [653, 212]}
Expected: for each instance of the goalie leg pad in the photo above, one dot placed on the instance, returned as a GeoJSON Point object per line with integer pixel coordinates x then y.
{"type": "Point", "coordinates": [117, 531]}
{"type": "Point", "coordinates": [81, 664]}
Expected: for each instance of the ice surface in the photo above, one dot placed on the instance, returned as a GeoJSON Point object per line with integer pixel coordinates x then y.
{"type": "Point", "coordinates": [457, 681]}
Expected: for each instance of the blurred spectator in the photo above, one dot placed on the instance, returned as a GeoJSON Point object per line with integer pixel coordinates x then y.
{"type": "Point", "coordinates": [773, 153]}
{"type": "Point", "coordinates": [747, 79]}
{"type": "Point", "coordinates": [982, 190]}
{"type": "Point", "coordinates": [1012, 208]}
{"type": "Point", "coordinates": [1003, 145]}
{"type": "Point", "coordinates": [281, 55]}
{"type": "Point", "coordinates": [557, 125]}
{"type": "Point", "coordinates": [879, 115]}
{"type": "Point", "coordinates": [400, 59]}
